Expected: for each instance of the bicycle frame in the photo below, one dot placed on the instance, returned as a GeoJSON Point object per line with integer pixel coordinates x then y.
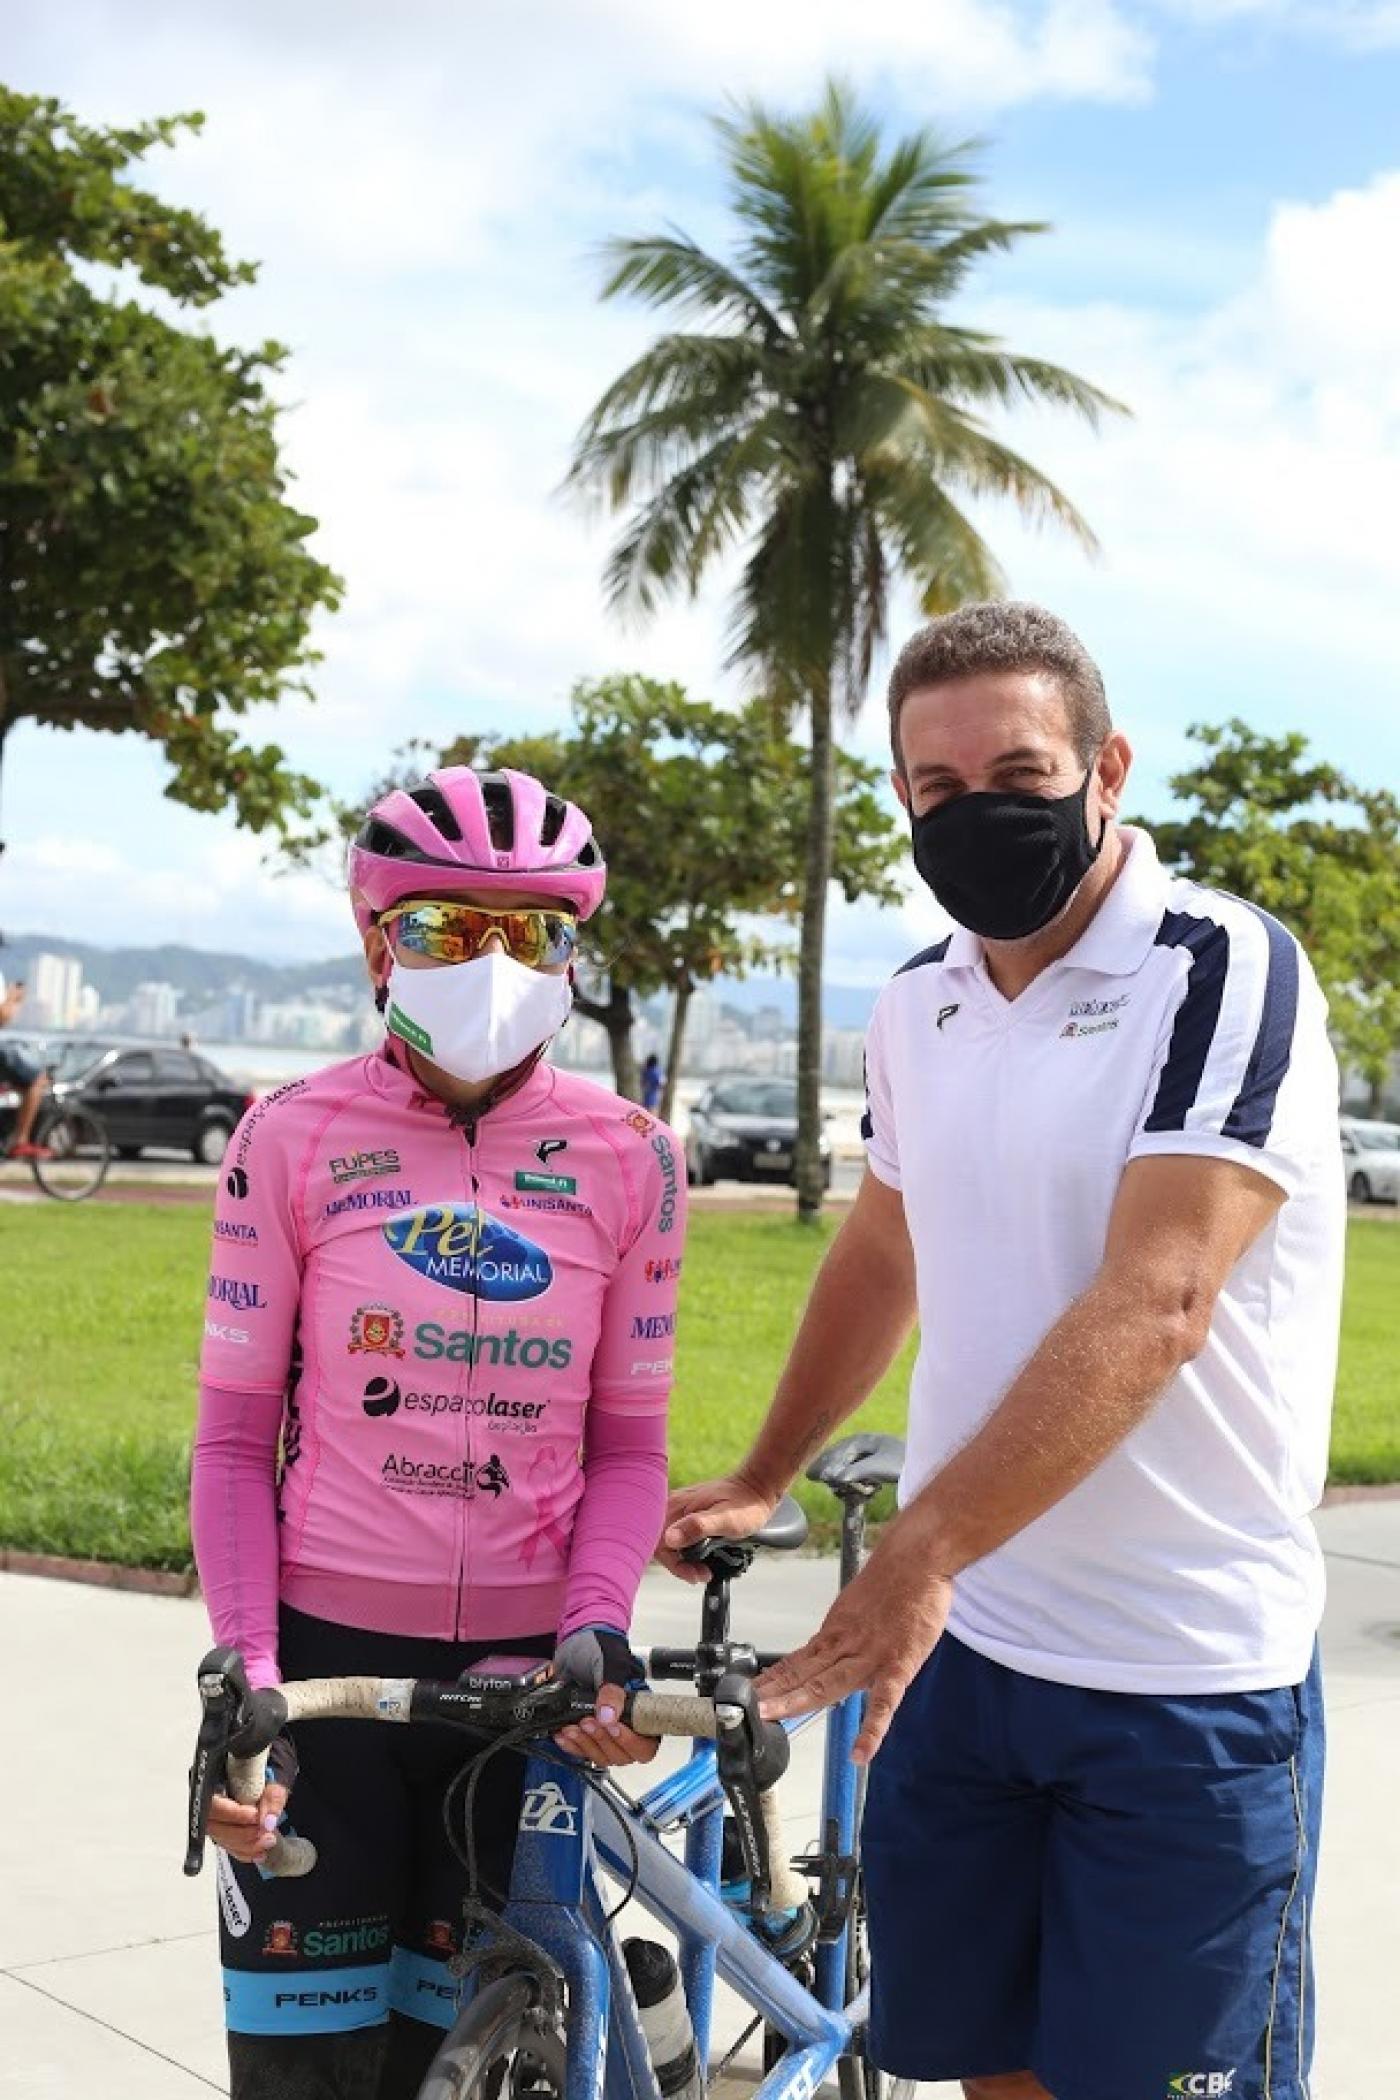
{"type": "Point", "coordinates": [569, 1832]}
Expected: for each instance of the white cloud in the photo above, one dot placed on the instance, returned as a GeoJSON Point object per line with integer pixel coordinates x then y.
{"type": "Point", "coordinates": [219, 898]}
{"type": "Point", "coordinates": [1356, 24]}
{"type": "Point", "coordinates": [1247, 511]}
{"type": "Point", "coordinates": [424, 185]}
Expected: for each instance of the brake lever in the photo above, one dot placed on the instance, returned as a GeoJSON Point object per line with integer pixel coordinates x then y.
{"type": "Point", "coordinates": [751, 1755]}
{"type": "Point", "coordinates": [223, 1686]}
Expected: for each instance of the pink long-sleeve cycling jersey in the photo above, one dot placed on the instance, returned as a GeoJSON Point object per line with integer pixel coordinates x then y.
{"type": "Point", "coordinates": [442, 1301]}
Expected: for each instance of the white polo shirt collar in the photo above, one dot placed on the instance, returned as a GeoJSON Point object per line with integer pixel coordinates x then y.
{"type": "Point", "coordinates": [1122, 930]}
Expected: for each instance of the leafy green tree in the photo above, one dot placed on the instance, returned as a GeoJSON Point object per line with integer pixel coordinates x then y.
{"type": "Point", "coordinates": [823, 418]}
{"type": "Point", "coordinates": [1294, 835]}
{"type": "Point", "coordinates": [701, 811]}
{"type": "Point", "coordinates": [153, 578]}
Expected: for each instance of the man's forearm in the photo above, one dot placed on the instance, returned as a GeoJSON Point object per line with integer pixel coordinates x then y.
{"type": "Point", "coordinates": [1095, 1377]}
{"type": "Point", "coordinates": [857, 1319]}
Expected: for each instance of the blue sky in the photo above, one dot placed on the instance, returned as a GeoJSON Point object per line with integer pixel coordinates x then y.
{"type": "Point", "coordinates": [424, 188]}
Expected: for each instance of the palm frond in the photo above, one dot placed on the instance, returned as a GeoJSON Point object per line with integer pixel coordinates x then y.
{"type": "Point", "coordinates": [678, 396]}
{"type": "Point", "coordinates": [867, 603]}
{"type": "Point", "coordinates": [933, 538]}
{"type": "Point", "coordinates": [923, 192]}
{"type": "Point", "coordinates": [962, 362]}
{"type": "Point", "coordinates": [960, 451]}
{"type": "Point", "coordinates": [672, 270]}
{"type": "Point", "coordinates": [781, 628]}
{"type": "Point", "coordinates": [764, 452]}
{"type": "Point", "coordinates": [690, 517]}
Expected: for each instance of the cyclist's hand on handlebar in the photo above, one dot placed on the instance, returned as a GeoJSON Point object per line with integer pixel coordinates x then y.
{"type": "Point", "coordinates": [730, 1508]}
{"type": "Point", "coordinates": [608, 1742]}
{"type": "Point", "coordinates": [595, 1658]}
{"type": "Point", "coordinates": [248, 1829]}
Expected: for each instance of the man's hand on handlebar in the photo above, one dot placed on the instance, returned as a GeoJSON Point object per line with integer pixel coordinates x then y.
{"type": "Point", "coordinates": [730, 1508]}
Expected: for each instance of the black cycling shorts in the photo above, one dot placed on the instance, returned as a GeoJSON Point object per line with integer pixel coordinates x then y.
{"type": "Point", "coordinates": [370, 1929]}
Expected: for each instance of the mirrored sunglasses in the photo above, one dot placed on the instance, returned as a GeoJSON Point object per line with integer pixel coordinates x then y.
{"type": "Point", "coordinates": [443, 932]}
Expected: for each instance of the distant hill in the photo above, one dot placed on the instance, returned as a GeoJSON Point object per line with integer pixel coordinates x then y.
{"type": "Point", "coordinates": [203, 974]}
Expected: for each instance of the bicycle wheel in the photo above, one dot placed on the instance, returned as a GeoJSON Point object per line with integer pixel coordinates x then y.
{"type": "Point", "coordinates": [500, 2049]}
{"type": "Point", "coordinates": [82, 1152]}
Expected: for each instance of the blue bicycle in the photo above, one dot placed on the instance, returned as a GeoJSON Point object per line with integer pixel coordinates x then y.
{"type": "Point", "coordinates": [552, 2004]}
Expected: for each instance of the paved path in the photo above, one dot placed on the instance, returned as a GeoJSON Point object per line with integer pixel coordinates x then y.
{"type": "Point", "coordinates": [108, 1980]}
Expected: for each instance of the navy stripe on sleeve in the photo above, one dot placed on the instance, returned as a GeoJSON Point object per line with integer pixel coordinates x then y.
{"type": "Point", "coordinates": [1251, 1116]}
{"type": "Point", "coordinates": [926, 955]}
{"type": "Point", "coordinates": [1196, 1018]}
{"type": "Point", "coordinates": [867, 1125]}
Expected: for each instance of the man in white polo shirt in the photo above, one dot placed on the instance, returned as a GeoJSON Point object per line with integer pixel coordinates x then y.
{"type": "Point", "coordinates": [1105, 1176]}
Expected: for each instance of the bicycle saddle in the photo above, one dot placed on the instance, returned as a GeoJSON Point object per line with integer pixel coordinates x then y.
{"type": "Point", "coordinates": [859, 1464]}
{"type": "Point", "coordinates": [785, 1529]}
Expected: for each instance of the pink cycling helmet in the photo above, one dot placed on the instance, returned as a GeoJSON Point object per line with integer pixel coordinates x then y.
{"type": "Point", "coordinates": [463, 830]}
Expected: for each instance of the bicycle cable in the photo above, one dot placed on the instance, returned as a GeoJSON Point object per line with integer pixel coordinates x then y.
{"type": "Point", "coordinates": [499, 1946]}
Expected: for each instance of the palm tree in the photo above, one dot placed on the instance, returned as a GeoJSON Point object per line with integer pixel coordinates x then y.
{"type": "Point", "coordinates": [823, 417]}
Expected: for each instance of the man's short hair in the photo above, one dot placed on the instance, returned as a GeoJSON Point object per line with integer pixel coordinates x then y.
{"type": "Point", "coordinates": [1004, 635]}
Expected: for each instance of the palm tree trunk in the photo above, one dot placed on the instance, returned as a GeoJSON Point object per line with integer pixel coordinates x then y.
{"type": "Point", "coordinates": [816, 881]}
{"type": "Point", "coordinates": [6, 720]}
{"type": "Point", "coordinates": [674, 1048]}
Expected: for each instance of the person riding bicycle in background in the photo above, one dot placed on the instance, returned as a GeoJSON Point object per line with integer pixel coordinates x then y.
{"type": "Point", "coordinates": [26, 1074]}
{"type": "Point", "coordinates": [444, 1283]}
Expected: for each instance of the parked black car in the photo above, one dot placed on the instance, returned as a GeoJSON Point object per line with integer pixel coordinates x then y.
{"type": "Point", "coordinates": [745, 1130]}
{"type": "Point", "coordinates": [170, 1098]}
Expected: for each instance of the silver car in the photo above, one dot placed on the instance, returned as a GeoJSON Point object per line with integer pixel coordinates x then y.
{"type": "Point", "coordinates": [1372, 1155]}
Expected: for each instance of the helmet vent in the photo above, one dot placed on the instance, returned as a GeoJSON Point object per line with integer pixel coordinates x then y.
{"type": "Point", "coordinates": [381, 839]}
{"type": "Point", "coordinates": [500, 810]}
{"type": "Point", "coordinates": [555, 812]}
{"type": "Point", "coordinates": [434, 804]}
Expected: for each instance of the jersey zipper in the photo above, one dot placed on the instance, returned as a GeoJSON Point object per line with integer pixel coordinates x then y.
{"type": "Point", "coordinates": [470, 1127]}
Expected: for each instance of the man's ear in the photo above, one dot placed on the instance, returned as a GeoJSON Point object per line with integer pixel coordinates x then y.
{"type": "Point", "coordinates": [1114, 764]}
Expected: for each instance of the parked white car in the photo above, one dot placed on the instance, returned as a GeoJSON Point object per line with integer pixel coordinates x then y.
{"type": "Point", "coordinates": [1372, 1155]}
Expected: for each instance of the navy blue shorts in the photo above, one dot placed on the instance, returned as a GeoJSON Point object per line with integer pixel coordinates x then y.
{"type": "Point", "coordinates": [1111, 1890]}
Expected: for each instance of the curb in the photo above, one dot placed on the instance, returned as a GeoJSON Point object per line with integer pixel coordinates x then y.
{"type": "Point", "coordinates": [165, 1582]}
{"type": "Point", "coordinates": [102, 1574]}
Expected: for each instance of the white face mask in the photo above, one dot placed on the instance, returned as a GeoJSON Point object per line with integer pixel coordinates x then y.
{"type": "Point", "coordinates": [480, 1018]}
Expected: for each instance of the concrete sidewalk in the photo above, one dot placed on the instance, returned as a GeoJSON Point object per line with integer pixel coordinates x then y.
{"type": "Point", "coordinates": [108, 1957]}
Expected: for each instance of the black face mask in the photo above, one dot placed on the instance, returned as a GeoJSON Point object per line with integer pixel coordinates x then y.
{"type": "Point", "coordinates": [1006, 865]}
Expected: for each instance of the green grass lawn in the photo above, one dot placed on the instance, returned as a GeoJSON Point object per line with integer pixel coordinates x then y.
{"type": "Point", "coordinates": [100, 1316]}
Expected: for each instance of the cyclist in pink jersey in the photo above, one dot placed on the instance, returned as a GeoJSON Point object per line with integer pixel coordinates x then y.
{"type": "Point", "coordinates": [438, 1353]}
